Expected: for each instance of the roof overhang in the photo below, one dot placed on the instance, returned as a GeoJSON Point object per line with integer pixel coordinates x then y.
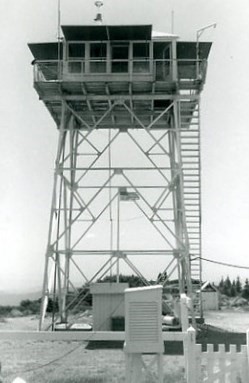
{"type": "Point", "coordinates": [188, 50]}
{"type": "Point", "coordinates": [106, 32]}
{"type": "Point", "coordinates": [46, 51]}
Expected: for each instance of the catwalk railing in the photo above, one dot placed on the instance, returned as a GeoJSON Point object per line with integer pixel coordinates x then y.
{"type": "Point", "coordinates": [159, 70]}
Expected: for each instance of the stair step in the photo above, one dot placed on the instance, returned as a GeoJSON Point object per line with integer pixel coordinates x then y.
{"type": "Point", "coordinates": [190, 143]}
{"type": "Point", "coordinates": [191, 176]}
{"type": "Point", "coordinates": [191, 134]}
{"type": "Point", "coordinates": [185, 150]}
{"type": "Point", "coordinates": [189, 156]}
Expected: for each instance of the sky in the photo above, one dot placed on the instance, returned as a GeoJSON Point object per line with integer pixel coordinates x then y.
{"type": "Point", "coordinates": [28, 136]}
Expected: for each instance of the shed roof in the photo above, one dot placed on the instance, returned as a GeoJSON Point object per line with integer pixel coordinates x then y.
{"type": "Point", "coordinates": [208, 286]}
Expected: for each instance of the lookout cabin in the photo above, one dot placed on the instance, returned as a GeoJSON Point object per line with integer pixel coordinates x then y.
{"type": "Point", "coordinates": [106, 60]}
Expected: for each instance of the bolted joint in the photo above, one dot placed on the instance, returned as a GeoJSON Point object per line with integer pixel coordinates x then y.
{"type": "Point", "coordinates": [68, 253]}
{"type": "Point", "coordinates": [59, 170]}
{"type": "Point", "coordinates": [119, 254]}
{"type": "Point", "coordinates": [74, 186]}
{"type": "Point", "coordinates": [118, 171]}
{"type": "Point", "coordinates": [171, 186]}
{"type": "Point", "coordinates": [50, 251]}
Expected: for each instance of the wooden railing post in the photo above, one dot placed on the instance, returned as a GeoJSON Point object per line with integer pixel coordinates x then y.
{"type": "Point", "coordinates": [190, 355]}
{"type": "Point", "coordinates": [247, 354]}
{"type": "Point", "coordinates": [184, 312]}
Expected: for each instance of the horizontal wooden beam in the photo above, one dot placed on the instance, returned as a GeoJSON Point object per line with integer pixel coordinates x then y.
{"type": "Point", "coordinates": [79, 336]}
{"type": "Point", "coordinates": [135, 97]}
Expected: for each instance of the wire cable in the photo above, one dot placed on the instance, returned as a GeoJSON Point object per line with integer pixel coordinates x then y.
{"type": "Point", "coordinates": [221, 263]}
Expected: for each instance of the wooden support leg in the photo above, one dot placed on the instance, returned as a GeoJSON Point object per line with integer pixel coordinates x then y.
{"type": "Point", "coordinates": [134, 366]}
{"type": "Point", "coordinates": [160, 367]}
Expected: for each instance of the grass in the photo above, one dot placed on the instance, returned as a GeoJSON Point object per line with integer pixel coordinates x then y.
{"type": "Point", "coordinates": [72, 363]}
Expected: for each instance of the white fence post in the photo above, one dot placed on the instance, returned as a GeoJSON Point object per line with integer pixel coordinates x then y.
{"type": "Point", "coordinates": [184, 312]}
{"type": "Point", "coordinates": [190, 356]}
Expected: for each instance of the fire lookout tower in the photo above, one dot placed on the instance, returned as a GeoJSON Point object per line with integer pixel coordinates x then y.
{"type": "Point", "coordinates": [125, 101]}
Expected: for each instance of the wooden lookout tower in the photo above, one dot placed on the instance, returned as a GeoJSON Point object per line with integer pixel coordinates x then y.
{"type": "Point", "coordinates": [125, 101]}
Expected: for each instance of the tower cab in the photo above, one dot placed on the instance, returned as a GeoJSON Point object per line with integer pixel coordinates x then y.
{"type": "Point", "coordinates": [121, 54]}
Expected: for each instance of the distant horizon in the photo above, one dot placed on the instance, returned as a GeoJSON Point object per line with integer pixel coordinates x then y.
{"type": "Point", "coordinates": [38, 288]}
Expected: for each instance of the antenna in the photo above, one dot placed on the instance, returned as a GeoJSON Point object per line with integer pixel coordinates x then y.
{"type": "Point", "coordinates": [58, 19]}
{"type": "Point", "coordinates": [58, 35]}
{"type": "Point", "coordinates": [98, 17]}
{"type": "Point", "coordinates": [172, 22]}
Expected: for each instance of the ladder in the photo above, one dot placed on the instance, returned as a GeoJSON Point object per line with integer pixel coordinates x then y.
{"type": "Point", "coordinates": [190, 155]}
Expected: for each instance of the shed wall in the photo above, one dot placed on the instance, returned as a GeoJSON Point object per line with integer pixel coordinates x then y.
{"type": "Point", "coordinates": [108, 302]}
{"type": "Point", "coordinates": [210, 300]}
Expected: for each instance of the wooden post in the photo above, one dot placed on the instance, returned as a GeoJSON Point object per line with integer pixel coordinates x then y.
{"type": "Point", "coordinates": [185, 325]}
{"type": "Point", "coordinates": [134, 367]}
{"type": "Point", "coordinates": [190, 355]}
{"type": "Point", "coordinates": [247, 354]}
{"type": "Point", "coordinates": [160, 367]}
{"type": "Point", "coordinates": [184, 312]}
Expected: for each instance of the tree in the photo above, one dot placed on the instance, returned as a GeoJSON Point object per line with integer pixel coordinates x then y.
{"type": "Point", "coordinates": [233, 289]}
{"type": "Point", "coordinates": [221, 285]}
{"type": "Point", "coordinates": [227, 286]}
{"type": "Point", "coordinates": [30, 306]}
{"type": "Point", "coordinates": [238, 286]}
{"type": "Point", "coordinates": [245, 290]}
{"type": "Point", "coordinates": [133, 280]}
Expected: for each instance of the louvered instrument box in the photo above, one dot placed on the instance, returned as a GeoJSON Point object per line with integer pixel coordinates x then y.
{"type": "Point", "coordinates": [143, 320]}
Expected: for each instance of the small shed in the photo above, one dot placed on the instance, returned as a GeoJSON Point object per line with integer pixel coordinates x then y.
{"type": "Point", "coordinates": [210, 296]}
{"type": "Point", "coordinates": [108, 303]}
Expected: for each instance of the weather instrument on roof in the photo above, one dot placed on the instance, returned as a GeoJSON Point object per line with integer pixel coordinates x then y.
{"type": "Point", "coordinates": [126, 197]}
{"type": "Point", "coordinates": [98, 17]}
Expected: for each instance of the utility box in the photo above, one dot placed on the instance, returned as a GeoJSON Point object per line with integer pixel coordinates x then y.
{"type": "Point", "coordinates": [143, 320]}
{"type": "Point", "coordinates": [108, 303]}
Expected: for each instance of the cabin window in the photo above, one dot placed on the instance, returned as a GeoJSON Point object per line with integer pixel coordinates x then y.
{"type": "Point", "coordinates": [162, 57]}
{"type": "Point", "coordinates": [76, 56]}
{"type": "Point", "coordinates": [141, 55]}
{"type": "Point", "coordinates": [120, 58]}
{"type": "Point", "coordinates": [98, 52]}
{"type": "Point", "coordinates": [76, 51]}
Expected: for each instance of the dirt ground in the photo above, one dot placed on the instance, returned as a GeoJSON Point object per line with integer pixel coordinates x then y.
{"type": "Point", "coordinates": [59, 361]}
{"type": "Point", "coordinates": [230, 320]}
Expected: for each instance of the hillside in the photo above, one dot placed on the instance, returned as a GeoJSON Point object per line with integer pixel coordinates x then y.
{"type": "Point", "coordinates": [14, 298]}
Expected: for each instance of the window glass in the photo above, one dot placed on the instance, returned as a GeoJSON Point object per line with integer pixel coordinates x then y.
{"type": "Point", "coordinates": [141, 50]}
{"type": "Point", "coordinates": [120, 52]}
{"type": "Point", "coordinates": [120, 55]}
{"type": "Point", "coordinates": [76, 50]}
{"type": "Point", "coordinates": [98, 50]}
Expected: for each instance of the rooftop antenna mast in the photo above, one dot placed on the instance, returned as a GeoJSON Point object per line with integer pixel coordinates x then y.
{"type": "Point", "coordinates": [58, 19]}
{"type": "Point", "coordinates": [99, 19]}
